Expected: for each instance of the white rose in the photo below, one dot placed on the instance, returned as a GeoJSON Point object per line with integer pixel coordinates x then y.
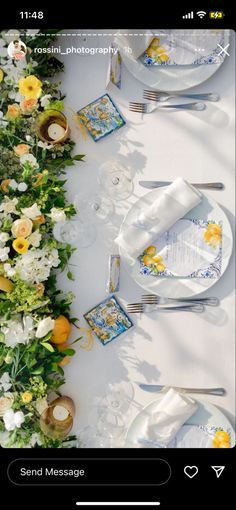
{"type": "Point", "coordinates": [9, 270]}
{"type": "Point", "coordinates": [57, 214]}
{"type": "Point", "coordinates": [5, 382]}
{"type": "Point", "coordinates": [44, 326]}
{"type": "Point", "coordinates": [30, 159]}
{"type": "Point", "coordinates": [22, 186]}
{"type": "Point", "coordinates": [31, 212]}
{"type": "Point", "coordinates": [6, 403]}
{"type": "Point", "coordinates": [4, 237]}
{"type": "Point", "coordinates": [19, 419]}
{"type": "Point", "coordinates": [34, 239]}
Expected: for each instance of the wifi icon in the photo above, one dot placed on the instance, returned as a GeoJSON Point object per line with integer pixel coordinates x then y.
{"type": "Point", "coordinates": [201, 14]}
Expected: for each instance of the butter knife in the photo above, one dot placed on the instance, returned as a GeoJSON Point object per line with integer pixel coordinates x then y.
{"type": "Point", "coordinates": [202, 185]}
{"type": "Point", "coordinates": [154, 388]}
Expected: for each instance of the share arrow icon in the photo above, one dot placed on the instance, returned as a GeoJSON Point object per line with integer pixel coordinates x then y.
{"type": "Point", "coordinates": [218, 470]}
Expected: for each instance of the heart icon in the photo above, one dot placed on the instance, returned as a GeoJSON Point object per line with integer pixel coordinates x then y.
{"type": "Point", "coordinates": [191, 471]}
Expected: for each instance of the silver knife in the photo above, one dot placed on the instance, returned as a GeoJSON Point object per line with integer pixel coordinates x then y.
{"type": "Point", "coordinates": [202, 185]}
{"type": "Point", "coordinates": [154, 388]}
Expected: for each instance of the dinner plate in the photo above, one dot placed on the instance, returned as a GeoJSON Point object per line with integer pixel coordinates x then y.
{"type": "Point", "coordinates": [173, 287]}
{"type": "Point", "coordinates": [171, 78]}
{"type": "Point", "coordinates": [208, 418]}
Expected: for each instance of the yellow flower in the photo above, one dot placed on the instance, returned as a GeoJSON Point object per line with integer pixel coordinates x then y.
{"type": "Point", "coordinates": [28, 105]}
{"type": "Point", "coordinates": [20, 245]}
{"type": "Point", "coordinates": [151, 250]}
{"type": "Point", "coordinates": [1, 75]}
{"type": "Point", "coordinates": [213, 234]}
{"type": "Point", "coordinates": [160, 268]}
{"type": "Point", "coordinates": [221, 439]}
{"type": "Point", "coordinates": [30, 87]}
{"type": "Point", "coordinates": [26, 397]}
{"type": "Point", "coordinates": [5, 185]}
{"type": "Point", "coordinates": [21, 149]}
{"type": "Point", "coordinates": [13, 111]}
{"type": "Point", "coordinates": [22, 227]}
{"type": "Point", "coordinates": [156, 51]}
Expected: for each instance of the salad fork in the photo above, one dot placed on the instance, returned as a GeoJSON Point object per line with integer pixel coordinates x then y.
{"type": "Point", "coordinates": [149, 108]}
{"type": "Point", "coordinates": [152, 299]}
{"type": "Point", "coordinates": [154, 95]}
{"type": "Point", "coordinates": [149, 308]}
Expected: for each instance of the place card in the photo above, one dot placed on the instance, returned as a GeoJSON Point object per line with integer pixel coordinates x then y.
{"type": "Point", "coordinates": [108, 320]}
{"type": "Point", "coordinates": [101, 117]}
{"type": "Point", "coordinates": [192, 248]}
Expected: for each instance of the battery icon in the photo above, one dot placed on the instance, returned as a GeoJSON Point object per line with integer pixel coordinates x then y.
{"type": "Point", "coordinates": [216, 14]}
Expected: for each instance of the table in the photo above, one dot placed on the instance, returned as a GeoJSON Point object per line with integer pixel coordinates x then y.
{"type": "Point", "coordinates": [179, 349]}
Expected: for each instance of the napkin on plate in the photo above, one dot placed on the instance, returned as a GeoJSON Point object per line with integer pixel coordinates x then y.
{"type": "Point", "coordinates": [176, 201]}
{"type": "Point", "coordinates": [137, 43]}
{"type": "Point", "coordinates": [171, 413]}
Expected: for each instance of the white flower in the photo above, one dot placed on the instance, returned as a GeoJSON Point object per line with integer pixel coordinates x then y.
{"type": "Point", "coordinates": [3, 122]}
{"type": "Point", "coordinates": [8, 206]}
{"type": "Point", "coordinates": [35, 439]}
{"type": "Point", "coordinates": [41, 405]}
{"type": "Point", "coordinates": [18, 332]}
{"type": "Point", "coordinates": [22, 186]}
{"type": "Point", "coordinates": [13, 420]}
{"type": "Point", "coordinates": [45, 100]}
{"type": "Point", "coordinates": [4, 253]}
{"type": "Point", "coordinates": [29, 139]}
{"type": "Point", "coordinates": [4, 237]}
{"type": "Point", "coordinates": [9, 270]}
{"type": "Point", "coordinates": [13, 184]}
{"type": "Point", "coordinates": [32, 31]}
{"type": "Point", "coordinates": [4, 438]}
{"type": "Point", "coordinates": [30, 159]}
{"type": "Point", "coordinates": [44, 145]}
{"type": "Point", "coordinates": [35, 265]}
{"type": "Point", "coordinates": [44, 326]}
{"type": "Point", "coordinates": [3, 49]}
{"type": "Point", "coordinates": [31, 212]}
{"type": "Point", "coordinates": [34, 239]}
{"type": "Point", "coordinates": [10, 35]}
{"type": "Point", "coordinates": [57, 214]}
{"type": "Point", "coordinates": [6, 402]}
{"type": "Point", "coordinates": [15, 96]}
{"type": "Point", "coordinates": [5, 382]}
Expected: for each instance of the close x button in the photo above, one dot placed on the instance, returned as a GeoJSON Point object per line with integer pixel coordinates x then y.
{"type": "Point", "coordinates": [89, 471]}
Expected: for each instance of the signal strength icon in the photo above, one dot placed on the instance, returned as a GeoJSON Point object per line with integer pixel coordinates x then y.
{"type": "Point", "coordinates": [188, 16]}
{"type": "Point", "coordinates": [201, 14]}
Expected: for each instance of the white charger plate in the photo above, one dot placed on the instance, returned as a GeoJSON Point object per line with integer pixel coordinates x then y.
{"type": "Point", "coordinates": [206, 415]}
{"type": "Point", "coordinates": [170, 78]}
{"type": "Point", "coordinates": [172, 287]}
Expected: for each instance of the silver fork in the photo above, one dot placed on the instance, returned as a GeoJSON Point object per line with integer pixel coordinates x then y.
{"type": "Point", "coordinates": [149, 108]}
{"type": "Point", "coordinates": [149, 308]}
{"type": "Point", "coordinates": [154, 95]}
{"type": "Point", "coordinates": [152, 299]}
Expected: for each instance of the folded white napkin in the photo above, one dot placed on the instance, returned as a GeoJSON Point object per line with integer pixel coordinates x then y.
{"type": "Point", "coordinates": [171, 413]}
{"type": "Point", "coordinates": [178, 199]}
{"type": "Point", "coordinates": [137, 43]}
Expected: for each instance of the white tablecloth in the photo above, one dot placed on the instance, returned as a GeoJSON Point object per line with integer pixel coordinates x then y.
{"type": "Point", "coordinates": [175, 349]}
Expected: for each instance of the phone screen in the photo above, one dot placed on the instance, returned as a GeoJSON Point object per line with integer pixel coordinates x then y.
{"type": "Point", "coordinates": [117, 286]}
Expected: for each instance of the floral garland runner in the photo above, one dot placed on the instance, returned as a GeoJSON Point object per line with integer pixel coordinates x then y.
{"type": "Point", "coordinates": [34, 315]}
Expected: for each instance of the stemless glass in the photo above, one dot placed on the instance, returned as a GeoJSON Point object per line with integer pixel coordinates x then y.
{"type": "Point", "coordinates": [115, 180]}
{"type": "Point", "coordinates": [119, 397]}
{"type": "Point", "coordinates": [94, 207]}
{"type": "Point", "coordinates": [75, 233]}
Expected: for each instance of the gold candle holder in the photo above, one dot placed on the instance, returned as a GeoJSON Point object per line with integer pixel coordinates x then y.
{"type": "Point", "coordinates": [52, 127]}
{"type": "Point", "coordinates": [57, 420]}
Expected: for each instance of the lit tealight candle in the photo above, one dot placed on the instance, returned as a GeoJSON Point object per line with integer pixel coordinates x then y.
{"type": "Point", "coordinates": [60, 413]}
{"type": "Point", "coordinates": [55, 131]}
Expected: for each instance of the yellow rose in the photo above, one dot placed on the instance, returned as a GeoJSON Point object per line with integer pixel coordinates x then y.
{"type": "Point", "coordinates": [28, 105]}
{"type": "Point", "coordinates": [30, 87]}
{"type": "Point", "coordinates": [22, 227]}
{"type": "Point", "coordinates": [26, 397]}
{"type": "Point", "coordinates": [13, 111]}
{"type": "Point", "coordinates": [21, 149]}
{"type": "Point", "coordinates": [20, 245]}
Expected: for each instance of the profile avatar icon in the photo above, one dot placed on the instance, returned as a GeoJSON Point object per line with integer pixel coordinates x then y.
{"type": "Point", "coordinates": [17, 49]}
